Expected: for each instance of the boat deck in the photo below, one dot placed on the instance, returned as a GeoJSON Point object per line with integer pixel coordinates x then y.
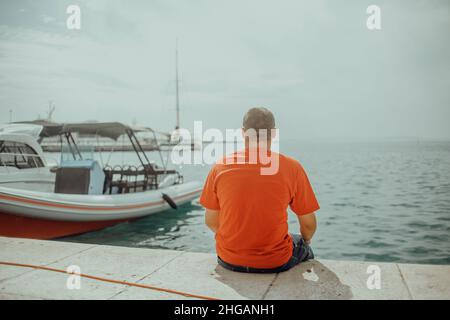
{"type": "Point", "coordinates": [198, 273]}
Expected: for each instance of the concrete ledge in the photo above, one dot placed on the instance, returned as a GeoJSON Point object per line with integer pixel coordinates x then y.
{"type": "Point", "coordinates": [199, 273]}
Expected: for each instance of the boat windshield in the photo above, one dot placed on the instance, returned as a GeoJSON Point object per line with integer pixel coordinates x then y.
{"type": "Point", "coordinates": [19, 155]}
{"type": "Point", "coordinates": [83, 152]}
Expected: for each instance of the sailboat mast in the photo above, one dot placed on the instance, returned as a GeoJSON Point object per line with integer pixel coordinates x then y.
{"type": "Point", "coordinates": [177, 101]}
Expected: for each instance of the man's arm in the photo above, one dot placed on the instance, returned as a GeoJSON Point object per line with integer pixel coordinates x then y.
{"type": "Point", "coordinates": [212, 219]}
{"type": "Point", "coordinates": [308, 226]}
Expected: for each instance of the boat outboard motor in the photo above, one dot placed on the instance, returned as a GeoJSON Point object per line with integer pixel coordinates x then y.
{"type": "Point", "coordinates": [79, 177]}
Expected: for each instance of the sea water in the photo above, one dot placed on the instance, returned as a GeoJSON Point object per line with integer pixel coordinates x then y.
{"type": "Point", "coordinates": [380, 201]}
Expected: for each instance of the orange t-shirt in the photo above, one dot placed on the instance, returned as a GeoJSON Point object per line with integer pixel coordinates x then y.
{"type": "Point", "coordinates": [253, 227]}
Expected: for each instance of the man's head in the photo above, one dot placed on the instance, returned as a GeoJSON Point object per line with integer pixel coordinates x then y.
{"type": "Point", "coordinates": [258, 120]}
{"type": "Point", "coordinates": [259, 129]}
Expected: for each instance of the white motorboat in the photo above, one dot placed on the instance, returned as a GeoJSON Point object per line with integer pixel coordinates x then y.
{"type": "Point", "coordinates": [78, 195]}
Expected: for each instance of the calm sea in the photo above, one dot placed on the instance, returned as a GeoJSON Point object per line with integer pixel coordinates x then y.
{"type": "Point", "coordinates": [380, 201]}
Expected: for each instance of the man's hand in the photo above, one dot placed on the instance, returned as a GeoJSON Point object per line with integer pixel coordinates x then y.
{"type": "Point", "coordinates": [308, 226]}
{"type": "Point", "coordinates": [212, 219]}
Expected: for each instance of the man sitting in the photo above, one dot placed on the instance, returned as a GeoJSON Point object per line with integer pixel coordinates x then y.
{"type": "Point", "coordinates": [246, 203]}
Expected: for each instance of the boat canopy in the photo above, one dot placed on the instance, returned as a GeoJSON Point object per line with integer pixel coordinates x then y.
{"type": "Point", "coordinates": [111, 130]}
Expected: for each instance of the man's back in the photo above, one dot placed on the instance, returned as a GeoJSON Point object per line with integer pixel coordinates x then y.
{"type": "Point", "coordinates": [253, 229]}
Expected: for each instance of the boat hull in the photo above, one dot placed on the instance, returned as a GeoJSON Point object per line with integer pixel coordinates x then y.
{"type": "Point", "coordinates": [41, 215]}
{"type": "Point", "coordinates": [24, 227]}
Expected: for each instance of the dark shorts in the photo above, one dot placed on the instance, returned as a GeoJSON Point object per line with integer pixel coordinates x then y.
{"type": "Point", "coordinates": [301, 252]}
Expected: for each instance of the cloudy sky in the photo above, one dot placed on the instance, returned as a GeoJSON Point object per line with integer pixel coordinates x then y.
{"type": "Point", "coordinates": [314, 63]}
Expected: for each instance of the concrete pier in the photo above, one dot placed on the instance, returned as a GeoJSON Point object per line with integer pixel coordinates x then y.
{"type": "Point", "coordinates": [198, 273]}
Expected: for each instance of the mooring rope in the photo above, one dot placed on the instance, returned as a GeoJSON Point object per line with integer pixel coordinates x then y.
{"type": "Point", "coordinates": [131, 284]}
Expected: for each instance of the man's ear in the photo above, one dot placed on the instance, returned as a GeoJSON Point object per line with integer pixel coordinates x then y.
{"type": "Point", "coordinates": [273, 133]}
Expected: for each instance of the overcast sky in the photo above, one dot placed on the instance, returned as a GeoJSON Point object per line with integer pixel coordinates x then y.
{"type": "Point", "coordinates": [313, 63]}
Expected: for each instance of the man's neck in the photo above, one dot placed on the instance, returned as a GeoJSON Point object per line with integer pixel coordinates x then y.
{"type": "Point", "coordinates": [262, 146]}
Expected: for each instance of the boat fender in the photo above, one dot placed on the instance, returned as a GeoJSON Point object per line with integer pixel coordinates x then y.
{"type": "Point", "coordinates": [169, 201]}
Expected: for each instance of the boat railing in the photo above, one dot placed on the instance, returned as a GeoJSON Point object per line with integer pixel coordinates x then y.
{"type": "Point", "coordinates": [129, 178]}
